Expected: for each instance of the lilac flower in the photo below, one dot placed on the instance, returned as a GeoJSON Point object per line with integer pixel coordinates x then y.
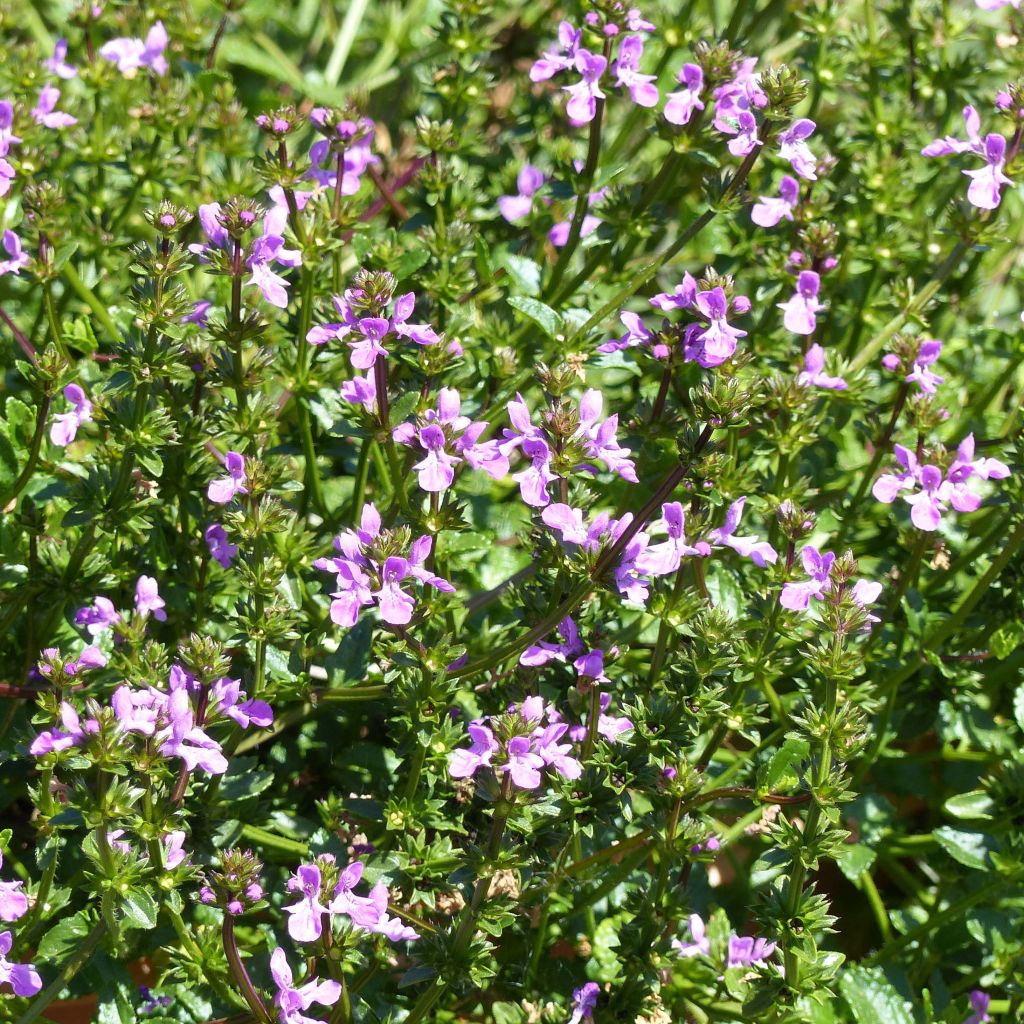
{"type": "Point", "coordinates": [18, 259]}
{"type": "Point", "coordinates": [528, 182]}
{"type": "Point", "coordinates": [98, 617]}
{"type": "Point", "coordinates": [371, 331]}
{"type": "Point", "coordinates": [679, 106]}
{"type": "Point", "coordinates": [227, 698]}
{"type": "Point", "coordinates": [760, 552]}
{"type": "Point", "coordinates": [356, 139]}
{"type": "Point", "coordinates": [132, 54]}
{"type": "Point", "coordinates": [931, 492]}
{"type": "Point", "coordinates": [920, 374]}
{"type": "Point", "coordinates": [392, 928]}
{"type": "Point", "coordinates": [44, 111]}
{"type": "Point", "coordinates": [73, 732]}
{"type": "Point", "coordinates": [796, 595]}
{"type": "Point", "coordinates": [13, 902]}
{"type": "Point", "coordinates": [305, 921]}
{"type": "Point", "coordinates": [700, 944]}
{"type": "Point", "coordinates": [148, 599]}
{"type": "Point", "coordinates": [223, 489]}
{"type": "Point", "coordinates": [7, 176]}
{"type": "Point", "coordinates": [745, 130]}
{"type": "Point", "coordinates": [292, 1002]}
{"type": "Point", "coordinates": [800, 310]}
{"type": "Point", "coordinates": [584, 1002]}
{"type": "Point", "coordinates": [742, 92]}
{"type": "Point", "coordinates": [7, 137]}
{"type": "Point", "coordinates": [746, 951]}
{"type": "Point", "coordinates": [447, 428]}
{"type": "Point", "coordinates": [584, 94]}
{"type": "Point", "coordinates": [984, 190]}
{"type": "Point", "coordinates": [65, 426]}
{"type": "Point", "coordinates": [363, 579]}
{"type": "Point", "coordinates": [57, 65]}
{"type": "Point", "coordinates": [813, 374]}
{"type": "Point", "coordinates": [221, 549]}
{"type": "Point", "coordinates": [361, 910]}
{"type": "Point", "coordinates": [561, 59]}
{"type": "Point", "coordinates": [979, 1000]}
{"type": "Point", "coordinates": [198, 316]}
{"type": "Point", "coordinates": [183, 738]}
{"type": "Point", "coordinates": [554, 754]}
{"type": "Point", "coordinates": [463, 763]}
{"type": "Point", "coordinates": [642, 89]}
{"type": "Point", "coordinates": [769, 210]}
{"type": "Point", "coordinates": [714, 344]}
{"type": "Point", "coordinates": [608, 726]}
{"type": "Point", "coordinates": [542, 652]}
{"type": "Point", "coordinates": [666, 557]}
{"type": "Point", "coordinates": [793, 147]}
{"type": "Point", "coordinates": [174, 850]}
{"type": "Point", "coordinates": [23, 978]}
{"type": "Point", "coordinates": [360, 391]}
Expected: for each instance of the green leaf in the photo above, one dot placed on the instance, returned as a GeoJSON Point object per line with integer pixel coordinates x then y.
{"type": "Point", "coordinates": [8, 468]}
{"type": "Point", "coordinates": [21, 423]}
{"type": "Point", "coordinates": [1006, 640]}
{"type": "Point", "coordinates": [540, 313]}
{"type": "Point", "coordinates": [1018, 705]}
{"type": "Point", "coordinates": [140, 910]}
{"type": "Point", "coordinates": [970, 806]}
{"type": "Point", "coordinates": [871, 997]}
{"type": "Point", "coordinates": [779, 772]}
{"type": "Point", "coordinates": [854, 859]}
{"type": "Point", "coordinates": [968, 848]}
{"type": "Point", "coordinates": [63, 938]}
{"type": "Point", "coordinates": [524, 273]}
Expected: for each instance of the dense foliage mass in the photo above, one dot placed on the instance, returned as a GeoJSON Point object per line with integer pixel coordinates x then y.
{"type": "Point", "coordinates": [511, 512]}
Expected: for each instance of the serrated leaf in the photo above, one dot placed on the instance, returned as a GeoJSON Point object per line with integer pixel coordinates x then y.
{"type": "Point", "coordinates": [540, 313]}
{"type": "Point", "coordinates": [872, 998]}
{"type": "Point", "coordinates": [140, 910]}
{"type": "Point", "coordinates": [63, 938]}
{"type": "Point", "coordinates": [524, 273]}
{"type": "Point", "coordinates": [968, 848]}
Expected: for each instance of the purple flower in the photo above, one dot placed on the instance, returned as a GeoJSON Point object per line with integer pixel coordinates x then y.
{"type": "Point", "coordinates": [65, 426]}
{"type": "Point", "coordinates": [223, 489]}
{"type": "Point", "coordinates": [227, 698]}
{"type": "Point", "coordinates": [13, 902]}
{"type": "Point", "coordinates": [979, 1000]}
{"type": "Point", "coordinates": [760, 552]}
{"type": "Point", "coordinates": [642, 89]}
{"type": "Point", "coordinates": [447, 428]}
{"type": "Point", "coordinates": [666, 557]}
{"type": "Point", "coordinates": [927, 354]}
{"type": "Point", "coordinates": [44, 111]}
{"type": "Point", "coordinates": [7, 175]}
{"type": "Point", "coordinates": [361, 910]}
{"type": "Point", "coordinates": [796, 595]}
{"type": "Point", "coordinates": [744, 127]}
{"type": "Point", "coordinates": [221, 550]}
{"type": "Point", "coordinates": [148, 599]}
{"type": "Point", "coordinates": [57, 65]}
{"type": "Point", "coordinates": [793, 147]}
{"type": "Point", "coordinates": [560, 59]}
{"type": "Point", "coordinates": [799, 311]}
{"type": "Point", "coordinates": [584, 1002]}
{"type": "Point", "coordinates": [463, 763]}
{"type": "Point", "coordinates": [699, 944]}
{"type": "Point", "coordinates": [18, 259]}
{"type": "Point", "coordinates": [541, 653]}
{"type": "Point", "coordinates": [73, 732]}
{"type": "Point", "coordinates": [528, 182]}
{"type": "Point", "coordinates": [23, 978]}
{"type": "Point", "coordinates": [679, 106]}
{"type": "Point", "coordinates": [984, 190]}
{"type": "Point", "coordinates": [174, 850]}
{"type": "Point", "coordinates": [746, 951]}
{"type": "Point", "coordinates": [7, 137]}
{"type": "Point", "coordinates": [199, 313]}
{"type": "Point", "coordinates": [305, 921]}
{"type": "Point", "coordinates": [363, 580]}
{"type": "Point", "coordinates": [98, 617]}
{"type": "Point", "coordinates": [714, 344]}
{"type": "Point", "coordinates": [132, 54]}
{"type": "Point", "coordinates": [356, 138]}
{"type": "Point", "coordinates": [183, 738]}
{"type": "Point", "coordinates": [583, 95]}
{"type": "Point", "coordinates": [292, 1002]}
{"type": "Point", "coordinates": [813, 374]}
{"type": "Point", "coordinates": [392, 928]}
{"type": "Point", "coordinates": [554, 754]}
{"type": "Point", "coordinates": [769, 210]}
{"type": "Point", "coordinates": [523, 764]}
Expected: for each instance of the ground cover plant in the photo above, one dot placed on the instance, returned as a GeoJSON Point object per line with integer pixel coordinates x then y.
{"type": "Point", "coordinates": [511, 512]}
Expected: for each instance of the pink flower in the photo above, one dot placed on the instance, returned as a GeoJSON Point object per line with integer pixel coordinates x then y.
{"type": "Point", "coordinates": [223, 489]}
{"type": "Point", "coordinates": [760, 552]}
{"type": "Point", "coordinates": [148, 599]}
{"type": "Point", "coordinates": [65, 426]}
{"type": "Point", "coordinates": [793, 147]}
{"type": "Point", "coordinates": [642, 89]}
{"type": "Point", "coordinates": [221, 549]}
{"type": "Point", "coordinates": [560, 59]}
{"type": "Point", "coordinates": [679, 106]}
{"type": "Point", "coordinates": [583, 96]}
{"type": "Point", "coordinates": [463, 763]}
{"type": "Point", "coordinates": [813, 374]}
{"type": "Point", "coordinates": [800, 310]}
{"type": "Point", "coordinates": [528, 182]}
{"type": "Point", "coordinates": [57, 65]}
{"type": "Point", "coordinates": [665, 558]}
{"type": "Point", "coordinates": [769, 210]}
{"type": "Point", "coordinates": [290, 1001]}
{"type": "Point", "coordinates": [700, 944]}
{"type": "Point", "coordinates": [44, 111]}
{"type": "Point", "coordinates": [23, 978]}
{"type": "Point", "coordinates": [13, 902]}
{"type": "Point", "coordinates": [132, 54]}
{"type": "Point", "coordinates": [305, 917]}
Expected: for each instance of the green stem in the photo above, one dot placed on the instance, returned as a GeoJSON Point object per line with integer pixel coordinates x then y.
{"type": "Point", "coordinates": [82, 955]}
{"type": "Point", "coordinates": [25, 476]}
{"type": "Point", "coordinates": [53, 319]}
{"type": "Point", "coordinates": [86, 294]}
{"type": "Point", "coordinates": [190, 946]}
{"type": "Point", "coordinates": [248, 990]}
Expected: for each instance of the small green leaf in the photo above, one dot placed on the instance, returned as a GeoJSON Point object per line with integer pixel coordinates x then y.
{"type": "Point", "coordinates": [140, 910]}
{"type": "Point", "coordinates": [524, 273]}
{"type": "Point", "coordinates": [540, 313]}
{"type": "Point", "coordinates": [871, 997]}
{"type": "Point", "coordinates": [970, 806]}
{"type": "Point", "coordinates": [1018, 705]}
{"type": "Point", "coordinates": [968, 848]}
{"type": "Point", "coordinates": [1006, 640]}
{"type": "Point", "coordinates": [63, 938]}
{"type": "Point", "coordinates": [854, 859]}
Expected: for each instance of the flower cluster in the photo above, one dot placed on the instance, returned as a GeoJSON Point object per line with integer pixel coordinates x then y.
{"type": "Point", "coordinates": [370, 571]}
{"type": "Point", "coordinates": [826, 580]}
{"type": "Point", "coordinates": [518, 207]}
{"type": "Point", "coordinates": [931, 491]}
{"type": "Point", "coordinates": [743, 950]}
{"type": "Point", "coordinates": [517, 745]}
{"type": "Point", "coordinates": [985, 190]}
